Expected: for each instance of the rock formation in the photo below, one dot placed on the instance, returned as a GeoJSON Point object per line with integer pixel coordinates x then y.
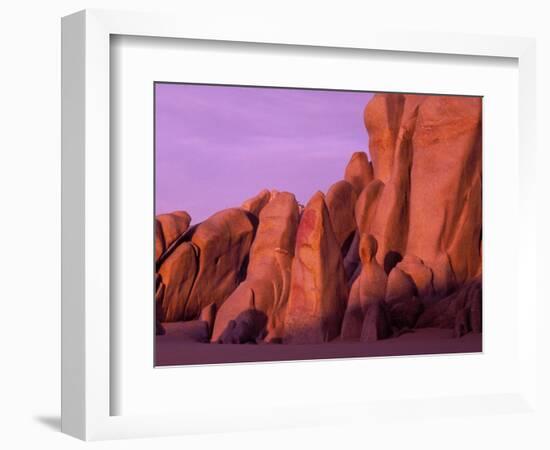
{"type": "Point", "coordinates": [427, 151]}
{"type": "Point", "coordinates": [366, 315]}
{"type": "Point", "coordinates": [268, 274]}
{"type": "Point", "coordinates": [340, 201]}
{"type": "Point", "coordinates": [359, 171]}
{"type": "Point", "coordinates": [393, 246]}
{"type": "Point", "coordinates": [318, 290]}
{"type": "Point", "coordinates": [178, 273]}
{"type": "Point", "coordinates": [208, 268]}
{"type": "Point", "coordinates": [169, 227]}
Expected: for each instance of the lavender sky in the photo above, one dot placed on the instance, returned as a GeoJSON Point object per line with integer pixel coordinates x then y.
{"type": "Point", "coordinates": [217, 146]}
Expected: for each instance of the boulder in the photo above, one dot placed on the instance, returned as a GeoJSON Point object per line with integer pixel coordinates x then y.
{"type": "Point", "coordinates": [358, 171]}
{"type": "Point", "coordinates": [318, 289]}
{"type": "Point", "coordinates": [376, 324]}
{"type": "Point", "coordinates": [168, 228]}
{"type": "Point", "coordinates": [445, 200]}
{"type": "Point", "coordinates": [352, 323]}
{"type": "Point", "coordinates": [206, 269]}
{"type": "Point", "coordinates": [427, 152]}
{"type": "Point", "coordinates": [460, 311]}
{"type": "Point", "coordinates": [366, 206]}
{"type": "Point", "coordinates": [249, 327]}
{"type": "Point", "coordinates": [421, 275]}
{"type": "Point", "coordinates": [223, 242]}
{"type": "Point", "coordinates": [269, 268]}
{"type": "Point", "coordinates": [372, 280]}
{"type": "Point", "coordinates": [389, 225]}
{"type": "Point", "coordinates": [368, 290]}
{"type": "Point", "coordinates": [340, 201]}
{"type": "Point", "coordinates": [401, 287]}
{"type": "Point", "coordinates": [178, 272]}
{"type": "Point", "coordinates": [255, 204]}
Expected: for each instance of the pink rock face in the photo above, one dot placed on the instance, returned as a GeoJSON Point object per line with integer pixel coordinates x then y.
{"type": "Point", "coordinates": [366, 315]}
{"type": "Point", "coordinates": [318, 289]}
{"type": "Point", "coordinates": [400, 286]}
{"type": "Point", "coordinates": [359, 171]}
{"type": "Point", "coordinates": [208, 268]}
{"type": "Point", "coordinates": [223, 242]}
{"type": "Point", "coordinates": [427, 152]}
{"type": "Point", "coordinates": [386, 117]}
{"type": "Point", "coordinates": [340, 201]}
{"type": "Point", "coordinates": [422, 275]}
{"type": "Point", "coordinates": [390, 223]}
{"type": "Point", "coordinates": [255, 204]}
{"type": "Point", "coordinates": [268, 274]}
{"type": "Point", "coordinates": [376, 324]}
{"type": "Point", "coordinates": [366, 206]}
{"type": "Point", "coordinates": [168, 227]}
{"type": "Point", "coordinates": [373, 279]}
{"type": "Point", "coordinates": [447, 171]}
{"type": "Point", "coordinates": [394, 246]}
{"type": "Point", "coordinates": [178, 272]}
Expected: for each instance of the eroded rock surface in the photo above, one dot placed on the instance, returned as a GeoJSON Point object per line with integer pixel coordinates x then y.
{"type": "Point", "coordinates": [269, 268]}
{"type": "Point", "coordinates": [168, 227]}
{"type": "Point", "coordinates": [318, 289]}
{"type": "Point", "coordinates": [395, 245]}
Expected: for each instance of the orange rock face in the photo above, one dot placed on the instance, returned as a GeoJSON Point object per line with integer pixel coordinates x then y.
{"type": "Point", "coordinates": [178, 272]}
{"type": "Point", "coordinates": [223, 242]}
{"type": "Point", "coordinates": [268, 275]}
{"type": "Point", "coordinates": [209, 267]}
{"type": "Point", "coordinates": [366, 298]}
{"type": "Point", "coordinates": [340, 201]}
{"type": "Point", "coordinates": [394, 246]}
{"type": "Point", "coordinates": [168, 227]}
{"type": "Point", "coordinates": [318, 290]}
{"type": "Point", "coordinates": [427, 152]}
{"type": "Point", "coordinates": [358, 171]}
{"type": "Point", "coordinates": [255, 204]}
{"type": "Point", "coordinates": [421, 275]}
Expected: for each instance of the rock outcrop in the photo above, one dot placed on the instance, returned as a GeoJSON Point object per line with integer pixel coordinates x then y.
{"type": "Point", "coordinates": [394, 246]}
{"type": "Point", "coordinates": [178, 273]}
{"type": "Point", "coordinates": [460, 311]}
{"type": "Point", "coordinates": [358, 171]}
{"type": "Point", "coordinates": [366, 315]}
{"type": "Point", "coordinates": [318, 290]}
{"type": "Point", "coordinates": [340, 201]}
{"type": "Point", "coordinates": [168, 228]}
{"type": "Point", "coordinates": [255, 204]}
{"type": "Point", "coordinates": [268, 274]}
{"type": "Point", "coordinates": [208, 268]}
{"type": "Point", "coordinates": [427, 151]}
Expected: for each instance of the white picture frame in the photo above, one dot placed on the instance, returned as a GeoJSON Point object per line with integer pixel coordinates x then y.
{"type": "Point", "coordinates": [86, 218]}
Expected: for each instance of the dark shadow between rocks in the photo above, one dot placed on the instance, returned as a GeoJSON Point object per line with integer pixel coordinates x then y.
{"type": "Point", "coordinates": [249, 327]}
{"type": "Point", "coordinates": [391, 260]}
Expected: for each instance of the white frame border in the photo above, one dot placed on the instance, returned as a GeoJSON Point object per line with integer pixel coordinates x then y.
{"type": "Point", "coordinates": [85, 194]}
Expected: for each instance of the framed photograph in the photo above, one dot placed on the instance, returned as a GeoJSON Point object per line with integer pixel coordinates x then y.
{"type": "Point", "coordinates": [283, 224]}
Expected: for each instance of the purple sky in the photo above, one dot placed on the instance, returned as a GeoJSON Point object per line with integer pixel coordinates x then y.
{"type": "Point", "coordinates": [217, 146]}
